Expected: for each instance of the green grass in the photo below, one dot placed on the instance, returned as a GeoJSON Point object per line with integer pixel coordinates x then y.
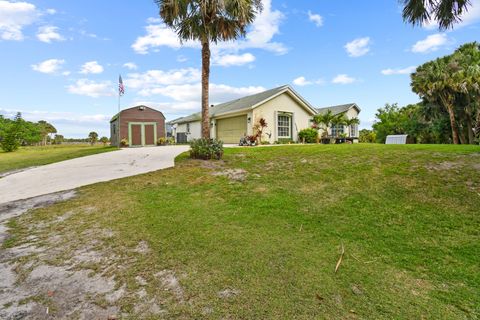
{"type": "Point", "coordinates": [36, 156]}
{"type": "Point", "coordinates": [407, 216]}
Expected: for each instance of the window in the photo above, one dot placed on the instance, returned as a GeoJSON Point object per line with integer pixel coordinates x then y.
{"type": "Point", "coordinates": [337, 130]}
{"type": "Point", "coordinates": [354, 130]}
{"type": "Point", "coordinates": [188, 127]}
{"type": "Point", "coordinates": [284, 125]}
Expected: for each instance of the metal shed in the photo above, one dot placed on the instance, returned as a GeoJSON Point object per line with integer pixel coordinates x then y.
{"type": "Point", "coordinates": [398, 139]}
{"type": "Point", "coordinates": [140, 126]}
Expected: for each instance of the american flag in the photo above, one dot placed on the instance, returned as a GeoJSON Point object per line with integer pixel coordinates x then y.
{"type": "Point", "coordinates": [121, 87]}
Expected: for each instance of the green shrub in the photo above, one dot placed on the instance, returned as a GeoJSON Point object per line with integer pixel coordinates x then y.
{"type": "Point", "coordinates": [206, 149]}
{"type": "Point", "coordinates": [11, 139]}
{"type": "Point", "coordinates": [309, 135]}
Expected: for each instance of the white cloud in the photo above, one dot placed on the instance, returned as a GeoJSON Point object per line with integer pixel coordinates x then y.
{"type": "Point", "coordinates": [159, 35]}
{"type": "Point", "coordinates": [407, 70]}
{"type": "Point", "coordinates": [49, 66]}
{"type": "Point", "coordinates": [301, 81]}
{"type": "Point", "coordinates": [130, 65]}
{"type": "Point", "coordinates": [48, 34]}
{"type": "Point", "coordinates": [259, 36]}
{"type": "Point", "coordinates": [154, 78]}
{"type": "Point", "coordinates": [51, 11]}
{"type": "Point", "coordinates": [470, 17]}
{"type": "Point", "coordinates": [233, 59]}
{"type": "Point", "coordinates": [315, 18]}
{"type": "Point", "coordinates": [91, 67]}
{"type": "Point", "coordinates": [343, 79]}
{"type": "Point", "coordinates": [14, 16]}
{"type": "Point", "coordinates": [192, 92]}
{"type": "Point", "coordinates": [91, 88]}
{"type": "Point", "coordinates": [431, 43]}
{"type": "Point", "coordinates": [358, 47]}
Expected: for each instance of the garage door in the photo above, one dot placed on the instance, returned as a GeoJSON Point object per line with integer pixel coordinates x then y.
{"type": "Point", "coordinates": [232, 129]}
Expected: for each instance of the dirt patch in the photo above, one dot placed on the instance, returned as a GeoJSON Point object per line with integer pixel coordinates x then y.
{"type": "Point", "coordinates": [228, 293]}
{"type": "Point", "coordinates": [142, 248]}
{"type": "Point", "coordinates": [232, 174]}
{"type": "Point", "coordinates": [444, 166]}
{"type": "Point", "coordinates": [170, 282]}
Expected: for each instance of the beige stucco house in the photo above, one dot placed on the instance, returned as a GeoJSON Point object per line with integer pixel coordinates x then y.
{"type": "Point", "coordinates": [285, 111]}
{"type": "Point", "coordinates": [351, 110]}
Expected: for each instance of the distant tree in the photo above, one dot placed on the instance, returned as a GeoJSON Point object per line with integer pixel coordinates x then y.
{"type": "Point", "coordinates": [207, 22]}
{"type": "Point", "coordinates": [445, 12]}
{"type": "Point", "coordinates": [92, 137]}
{"type": "Point", "coordinates": [45, 130]}
{"type": "Point", "coordinates": [104, 140]}
{"type": "Point", "coordinates": [12, 134]}
{"type": "Point", "coordinates": [58, 139]}
{"type": "Point", "coordinates": [367, 136]}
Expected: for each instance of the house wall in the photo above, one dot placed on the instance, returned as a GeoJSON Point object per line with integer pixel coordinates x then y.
{"type": "Point", "coordinates": [351, 113]}
{"type": "Point", "coordinates": [281, 103]}
{"type": "Point", "coordinates": [137, 115]}
{"type": "Point", "coordinates": [195, 130]}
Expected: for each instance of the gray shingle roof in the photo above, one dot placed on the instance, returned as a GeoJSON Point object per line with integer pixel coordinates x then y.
{"type": "Point", "coordinates": [239, 104]}
{"type": "Point", "coordinates": [337, 109]}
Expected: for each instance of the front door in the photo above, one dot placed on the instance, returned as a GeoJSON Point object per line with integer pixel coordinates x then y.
{"type": "Point", "coordinates": [136, 135]}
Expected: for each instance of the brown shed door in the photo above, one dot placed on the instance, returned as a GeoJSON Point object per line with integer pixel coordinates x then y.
{"type": "Point", "coordinates": [136, 134]}
{"type": "Point", "coordinates": [149, 134]}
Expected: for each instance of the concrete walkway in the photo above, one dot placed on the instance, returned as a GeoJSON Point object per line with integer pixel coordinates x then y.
{"type": "Point", "coordinates": [71, 174]}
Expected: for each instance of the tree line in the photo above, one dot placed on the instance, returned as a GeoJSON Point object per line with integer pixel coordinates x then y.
{"type": "Point", "coordinates": [449, 111]}
{"type": "Point", "coordinates": [17, 131]}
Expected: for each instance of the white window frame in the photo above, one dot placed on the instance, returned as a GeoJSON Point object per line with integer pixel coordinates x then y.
{"type": "Point", "coordinates": [279, 127]}
{"type": "Point", "coordinates": [354, 130]}
{"type": "Point", "coordinates": [336, 132]}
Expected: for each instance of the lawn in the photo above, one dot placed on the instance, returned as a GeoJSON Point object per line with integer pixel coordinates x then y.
{"type": "Point", "coordinates": [36, 156]}
{"type": "Point", "coordinates": [258, 235]}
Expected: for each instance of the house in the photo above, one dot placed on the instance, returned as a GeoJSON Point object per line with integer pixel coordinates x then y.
{"type": "Point", "coordinates": [140, 126]}
{"type": "Point", "coordinates": [285, 111]}
{"type": "Point", "coordinates": [350, 110]}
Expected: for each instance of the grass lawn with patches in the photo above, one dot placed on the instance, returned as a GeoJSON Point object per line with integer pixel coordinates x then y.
{"type": "Point", "coordinates": [258, 235]}
{"type": "Point", "coordinates": [36, 156]}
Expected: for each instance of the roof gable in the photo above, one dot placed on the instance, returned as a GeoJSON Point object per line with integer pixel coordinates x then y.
{"type": "Point", "coordinates": [136, 107]}
{"type": "Point", "coordinates": [342, 108]}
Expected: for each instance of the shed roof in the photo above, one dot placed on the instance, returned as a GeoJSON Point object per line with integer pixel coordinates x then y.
{"type": "Point", "coordinates": [136, 107]}
{"type": "Point", "coordinates": [245, 103]}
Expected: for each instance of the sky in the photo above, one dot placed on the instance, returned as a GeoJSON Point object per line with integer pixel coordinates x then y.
{"type": "Point", "coordinates": [60, 60]}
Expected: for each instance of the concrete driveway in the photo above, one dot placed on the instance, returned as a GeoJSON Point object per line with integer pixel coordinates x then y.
{"type": "Point", "coordinates": [71, 174]}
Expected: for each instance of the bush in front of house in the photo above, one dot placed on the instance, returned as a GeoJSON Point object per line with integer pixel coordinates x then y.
{"type": "Point", "coordinates": [124, 142]}
{"type": "Point", "coordinates": [206, 149]}
{"type": "Point", "coordinates": [161, 141]}
{"type": "Point", "coordinates": [308, 135]}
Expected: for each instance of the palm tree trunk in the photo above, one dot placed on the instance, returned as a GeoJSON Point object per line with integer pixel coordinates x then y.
{"type": "Point", "coordinates": [470, 123]}
{"type": "Point", "coordinates": [205, 86]}
{"type": "Point", "coordinates": [453, 124]}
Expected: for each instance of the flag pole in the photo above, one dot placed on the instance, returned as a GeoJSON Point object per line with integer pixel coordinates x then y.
{"type": "Point", "coordinates": [119, 142]}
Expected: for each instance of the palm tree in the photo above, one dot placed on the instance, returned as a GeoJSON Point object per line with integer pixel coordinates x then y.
{"type": "Point", "coordinates": [208, 21]}
{"type": "Point", "coordinates": [338, 120]}
{"type": "Point", "coordinates": [325, 120]}
{"type": "Point", "coordinates": [434, 82]}
{"type": "Point", "coordinates": [350, 122]}
{"type": "Point", "coordinates": [445, 12]}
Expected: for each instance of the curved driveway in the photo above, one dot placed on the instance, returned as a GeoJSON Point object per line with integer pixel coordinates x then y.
{"type": "Point", "coordinates": [74, 173]}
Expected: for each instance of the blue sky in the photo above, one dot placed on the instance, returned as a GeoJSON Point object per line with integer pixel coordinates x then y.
{"type": "Point", "coordinates": [60, 60]}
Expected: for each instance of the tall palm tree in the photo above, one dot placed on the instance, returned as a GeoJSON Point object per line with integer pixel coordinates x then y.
{"type": "Point", "coordinates": [435, 82]}
{"type": "Point", "coordinates": [445, 12]}
{"type": "Point", "coordinates": [208, 21]}
{"type": "Point", "coordinates": [338, 120]}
